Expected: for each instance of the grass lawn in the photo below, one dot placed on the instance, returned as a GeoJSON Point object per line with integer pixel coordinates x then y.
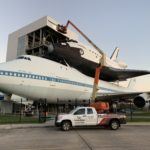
{"type": "Point", "coordinates": [141, 114]}
{"type": "Point", "coordinates": [8, 119]}
{"type": "Point", "coordinates": [138, 119]}
{"type": "Point", "coordinates": [5, 119]}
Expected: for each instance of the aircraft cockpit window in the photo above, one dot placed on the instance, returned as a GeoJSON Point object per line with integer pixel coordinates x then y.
{"type": "Point", "coordinates": [23, 57]}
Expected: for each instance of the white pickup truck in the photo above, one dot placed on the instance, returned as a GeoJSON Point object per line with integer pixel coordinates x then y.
{"type": "Point", "coordinates": [88, 116]}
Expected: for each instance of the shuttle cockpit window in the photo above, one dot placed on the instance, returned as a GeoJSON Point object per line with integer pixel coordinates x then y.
{"type": "Point", "coordinates": [23, 57]}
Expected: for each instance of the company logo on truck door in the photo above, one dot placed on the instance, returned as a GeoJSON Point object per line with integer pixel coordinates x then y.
{"type": "Point", "coordinates": [79, 118]}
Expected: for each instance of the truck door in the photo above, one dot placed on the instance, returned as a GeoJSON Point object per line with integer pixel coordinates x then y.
{"type": "Point", "coordinates": [91, 117]}
{"type": "Point", "coordinates": [79, 117]}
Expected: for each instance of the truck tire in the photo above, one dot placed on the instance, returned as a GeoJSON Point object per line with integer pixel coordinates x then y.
{"type": "Point", "coordinates": [114, 125]}
{"type": "Point", "coordinates": [66, 125]}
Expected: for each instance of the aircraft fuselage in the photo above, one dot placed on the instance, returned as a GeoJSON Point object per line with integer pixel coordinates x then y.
{"type": "Point", "coordinates": [38, 78]}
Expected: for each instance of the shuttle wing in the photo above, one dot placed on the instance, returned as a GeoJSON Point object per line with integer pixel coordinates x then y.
{"type": "Point", "coordinates": [113, 74]}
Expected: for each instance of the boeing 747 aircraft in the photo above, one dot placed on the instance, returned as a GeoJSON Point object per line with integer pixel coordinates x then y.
{"type": "Point", "coordinates": [39, 78]}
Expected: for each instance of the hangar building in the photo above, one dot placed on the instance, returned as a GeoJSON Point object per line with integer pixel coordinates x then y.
{"type": "Point", "coordinates": [35, 38]}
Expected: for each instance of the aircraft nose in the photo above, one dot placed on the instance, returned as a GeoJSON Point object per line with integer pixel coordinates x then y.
{"type": "Point", "coordinates": [6, 74]}
{"type": "Point", "coordinates": [5, 81]}
{"type": "Point", "coordinates": [2, 77]}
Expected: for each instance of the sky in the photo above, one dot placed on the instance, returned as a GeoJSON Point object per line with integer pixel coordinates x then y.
{"type": "Point", "coordinates": [109, 23]}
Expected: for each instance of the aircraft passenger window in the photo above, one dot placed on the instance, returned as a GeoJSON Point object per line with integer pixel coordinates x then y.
{"type": "Point", "coordinates": [26, 76]}
{"type": "Point", "coordinates": [6, 73]}
{"type": "Point", "coordinates": [89, 111]}
{"type": "Point", "coordinates": [33, 77]}
{"type": "Point", "coordinates": [22, 75]}
{"type": "Point", "coordinates": [80, 112]}
{"type": "Point", "coordinates": [1, 73]}
{"type": "Point", "coordinates": [40, 78]}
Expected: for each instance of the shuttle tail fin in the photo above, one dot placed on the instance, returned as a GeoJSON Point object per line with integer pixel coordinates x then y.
{"type": "Point", "coordinates": [115, 54]}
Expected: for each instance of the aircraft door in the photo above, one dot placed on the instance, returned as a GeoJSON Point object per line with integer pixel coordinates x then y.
{"type": "Point", "coordinates": [79, 117]}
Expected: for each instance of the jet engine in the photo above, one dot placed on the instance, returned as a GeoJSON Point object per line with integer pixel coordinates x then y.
{"type": "Point", "coordinates": [142, 101]}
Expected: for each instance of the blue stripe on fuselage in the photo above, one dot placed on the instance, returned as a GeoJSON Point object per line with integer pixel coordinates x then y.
{"type": "Point", "coordinates": [53, 79]}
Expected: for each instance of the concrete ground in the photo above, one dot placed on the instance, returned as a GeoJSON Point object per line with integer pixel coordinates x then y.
{"type": "Point", "coordinates": [135, 137]}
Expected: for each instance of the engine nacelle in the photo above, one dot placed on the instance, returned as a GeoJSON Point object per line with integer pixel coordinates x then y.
{"type": "Point", "coordinates": [142, 101]}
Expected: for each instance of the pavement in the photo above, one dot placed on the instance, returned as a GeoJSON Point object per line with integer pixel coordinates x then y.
{"type": "Point", "coordinates": [128, 137]}
{"type": "Point", "coordinates": [51, 124]}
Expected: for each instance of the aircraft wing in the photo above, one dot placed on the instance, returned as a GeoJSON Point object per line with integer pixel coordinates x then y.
{"type": "Point", "coordinates": [118, 96]}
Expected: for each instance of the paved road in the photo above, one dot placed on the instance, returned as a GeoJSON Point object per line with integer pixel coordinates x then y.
{"type": "Point", "coordinates": [51, 138]}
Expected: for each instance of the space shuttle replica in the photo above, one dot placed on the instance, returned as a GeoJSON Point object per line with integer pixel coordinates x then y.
{"type": "Point", "coordinates": [86, 58]}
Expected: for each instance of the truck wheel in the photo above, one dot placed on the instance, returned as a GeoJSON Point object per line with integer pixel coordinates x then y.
{"type": "Point", "coordinates": [114, 124]}
{"type": "Point", "coordinates": [66, 125]}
